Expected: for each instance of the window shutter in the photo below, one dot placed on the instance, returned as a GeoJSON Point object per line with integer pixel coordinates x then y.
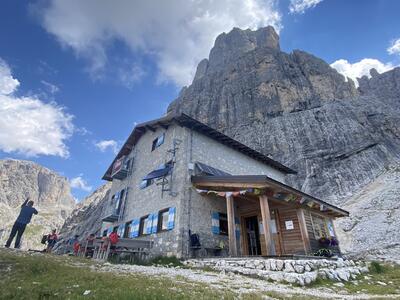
{"type": "Point", "coordinates": [237, 228]}
{"type": "Point", "coordinates": [135, 228]}
{"type": "Point", "coordinates": [171, 218]}
{"type": "Point", "coordinates": [121, 229]}
{"type": "Point", "coordinates": [215, 222]}
{"type": "Point", "coordinates": [149, 224]}
{"type": "Point", "coordinates": [154, 223]}
{"type": "Point", "coordinates": [116, 199]}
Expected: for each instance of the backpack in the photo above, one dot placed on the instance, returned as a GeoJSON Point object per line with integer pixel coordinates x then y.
{"type": "Point", "coordinates": [44, 239]}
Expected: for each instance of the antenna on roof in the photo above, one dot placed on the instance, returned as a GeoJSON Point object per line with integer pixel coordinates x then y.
{"type": "Point", "coordinates": [166, 184]}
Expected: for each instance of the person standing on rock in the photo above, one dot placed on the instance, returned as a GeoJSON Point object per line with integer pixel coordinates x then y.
{"type": "Point", "coordinates": [24, 218]}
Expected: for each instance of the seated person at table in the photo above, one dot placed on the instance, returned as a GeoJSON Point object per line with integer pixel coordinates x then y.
{"type": "Point", "coordinates": [114, 237]}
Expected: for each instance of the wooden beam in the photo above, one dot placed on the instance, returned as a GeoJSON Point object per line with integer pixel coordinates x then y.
{"type": "Point", "coordinates": [165, 126]}
{"type": "Point", "coordinates": [150, 128]}
{"type": "Point", "coordinates": [231, 226]}
{"type": "Point", "coordinates": [304, 231]}
{"type": "Point", "coordinates": [266, 219]}
{"type": "Point", "coordinates": [232, 185]}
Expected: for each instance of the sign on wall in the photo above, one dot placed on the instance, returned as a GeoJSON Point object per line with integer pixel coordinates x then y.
{"type": "Point", "coordinates": [289, 225]}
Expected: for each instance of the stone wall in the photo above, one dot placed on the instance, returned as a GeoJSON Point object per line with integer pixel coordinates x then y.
{"type": "Point", "coordinates": [141, 202]}
{"type": "Point", "coordinates": [297, 271]}
{"type": "Point", "coordinates": [193, 211]}
{"type": "Point", "coordinates": [210, 152]}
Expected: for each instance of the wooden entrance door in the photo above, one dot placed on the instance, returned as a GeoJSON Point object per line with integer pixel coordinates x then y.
{"type": "Point", "coordinates": [276, 232]}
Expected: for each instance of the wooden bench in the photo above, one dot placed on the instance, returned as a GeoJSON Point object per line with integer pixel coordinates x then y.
{"type": "Point", "coordinates": [134, 247]}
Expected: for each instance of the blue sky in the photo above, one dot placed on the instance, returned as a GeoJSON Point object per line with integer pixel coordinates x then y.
{"type": "Point", "coordinates": [75, 76]}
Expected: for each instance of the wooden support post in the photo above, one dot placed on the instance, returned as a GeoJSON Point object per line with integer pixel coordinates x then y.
{"type": "Point", "coordinates": [304, 231]}
{"type": "Point", "coordinates": [231, 226]}
{"type": "Point", "coordinates": [266, 218]}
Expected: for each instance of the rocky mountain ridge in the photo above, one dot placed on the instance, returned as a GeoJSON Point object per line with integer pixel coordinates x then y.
{"type": "Point", "coordinates": [51, 193]}
{"type": "Point", "coordinates": [344, 141]}
{"type": "Point", "coordinates": [297, 109]}
{"type": "Point", "coordinates": [85, 218]}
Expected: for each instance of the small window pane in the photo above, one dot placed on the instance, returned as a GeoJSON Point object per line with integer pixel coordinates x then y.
{"type": "Point", "coordinates": [164, 218]}
{"type": "Point", "coordinates": [223, 224]}
{"type": "Point", "coordinates": [143, 225]}
{"type": "Point", "coordinates": [144, 184]}
{"type": "Point", "coordinates": [160, 140]}
{"type": "Point", "coordinates": [127, 231]}
{"type": "Point", "coordinates": [320, 227]}
{"type": "Point", "coordinates": [157, 142]}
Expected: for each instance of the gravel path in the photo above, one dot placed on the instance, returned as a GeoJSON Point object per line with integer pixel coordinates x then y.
{"type": "Point", "coordinates": [236, 283]}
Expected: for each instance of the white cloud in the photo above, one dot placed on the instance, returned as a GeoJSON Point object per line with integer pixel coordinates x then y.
{"type": "Point", "coordinates": [107, 144]}
{"type": "Point", "coordinates": [361, 68]}
{"type": "Point", "coordinates": [80, 183]}
{"type": "Point", "coordinates": [8, 84]}
{"type": "Point", "coordinates": [52, 88]}
{"type": "Point", "coordinates": [176, 33]}
{"type": "Point", "coordinates": [28, 125]}
{"type": "Point", "coordinates": [128, 76]}
{"type": "Point", "coordinates": [394, 47]}
{"type": "Point", "coordinates": [300, 6]}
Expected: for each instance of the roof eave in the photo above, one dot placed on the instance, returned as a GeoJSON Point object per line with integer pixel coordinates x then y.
{"type": "Point", "coordinates": [258, 180]}
{"type": "Point", "coordinates": [187, 121]}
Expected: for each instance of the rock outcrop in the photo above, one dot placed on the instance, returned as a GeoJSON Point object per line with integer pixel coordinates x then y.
{"type": "Point", "coordinates": [50, 192]}
{"type": "Point", "coordinates": [372, 230]}
{"type": "Point", "coordinates": [85, 218]}
{"type": "Point", "coordinates": [295, 271]}
{"type": "Point", "coordinates": [300, 111]}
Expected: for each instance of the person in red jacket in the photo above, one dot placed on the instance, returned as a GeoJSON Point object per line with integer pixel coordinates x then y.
{"type": "Point", "coordinates": [114, 237]}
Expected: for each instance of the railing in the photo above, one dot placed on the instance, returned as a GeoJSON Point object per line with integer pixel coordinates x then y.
{"type": "Point", "coordinates": [120, 168]}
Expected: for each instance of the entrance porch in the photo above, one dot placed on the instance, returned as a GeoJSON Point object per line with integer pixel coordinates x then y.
{"type": "Point", "coordinates": [274, 219]}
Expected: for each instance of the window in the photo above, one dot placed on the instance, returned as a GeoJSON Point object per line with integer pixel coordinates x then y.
{"type": "Point", "coordinates": [127, 231]}
{"type": "Point", "coordinates": [158, 142]}
{"type": "Point", "coordinates": [127, 164]}
{"type": "Point", "coordinates": [320, 227]}
{"type": "Point", "coordinates": [144, 225]}
{"type": "Point", "coordinates": [223, 224]}
{"type": "Point", "coordinates": [163, 216]}
{"type": "Point", "coordinates": [145, 183]}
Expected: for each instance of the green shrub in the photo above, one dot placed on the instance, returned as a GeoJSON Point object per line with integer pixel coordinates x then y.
{"type": "Point", "coordinates": [376, 268]}
{"type": "Point", "coordinates": [324, 252]}
{"type": "Point", "coordinates": [166, 261]}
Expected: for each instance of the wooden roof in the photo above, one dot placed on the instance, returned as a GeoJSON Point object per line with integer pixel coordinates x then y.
{"type": "Point", "coordinates": [263, 182]}
{"type": "Point", "coordinates": [185, 120]}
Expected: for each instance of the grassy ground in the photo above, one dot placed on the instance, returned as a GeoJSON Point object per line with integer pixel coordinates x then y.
{"type": "Point", "coordinates": [47, 277]}
{"type": "Point", "coordinates": [24, 276]}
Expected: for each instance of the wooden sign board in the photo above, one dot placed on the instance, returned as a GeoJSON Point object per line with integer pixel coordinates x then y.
{"type": "Point", "coordinates": [289, 225]}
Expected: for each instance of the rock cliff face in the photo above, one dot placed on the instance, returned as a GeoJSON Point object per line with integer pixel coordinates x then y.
{"type": "Point", "coordinates": [85, 218]}
{"type": "Point", "coordinates": [50, 192]}
{"type": "Point", "coordinates": [372, 230]}
{"type": "Point", "coordinates": [300, 111]}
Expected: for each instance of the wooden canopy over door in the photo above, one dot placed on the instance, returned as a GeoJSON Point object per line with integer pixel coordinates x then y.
{"type": "Point", "coordinates": [292, 227]}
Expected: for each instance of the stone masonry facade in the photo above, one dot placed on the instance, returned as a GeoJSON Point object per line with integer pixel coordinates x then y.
{"type": "Point", "coordinates": [193, 211]}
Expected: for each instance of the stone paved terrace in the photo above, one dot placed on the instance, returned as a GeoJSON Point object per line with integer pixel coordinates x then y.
{"type": "Point", "coordinates": [297, 271]}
